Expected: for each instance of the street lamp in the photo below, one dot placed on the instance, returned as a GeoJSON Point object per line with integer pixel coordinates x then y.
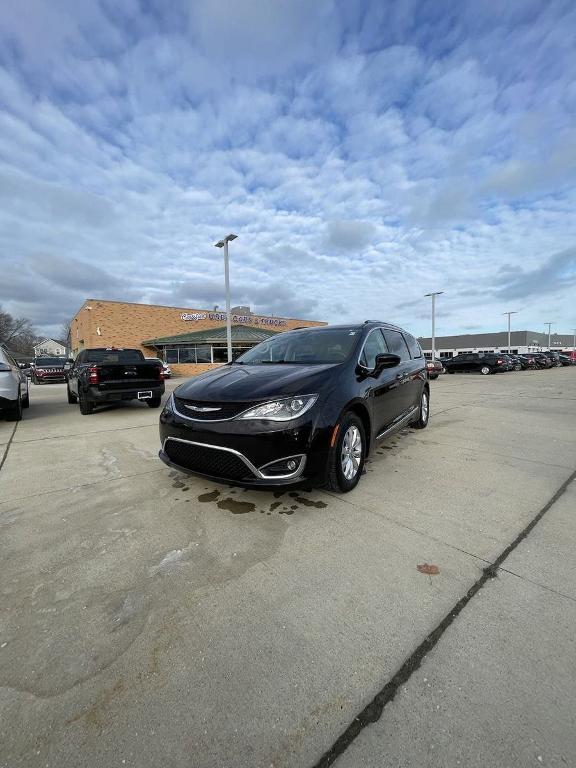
{"type": "Point", "coordinates": [433, 295]}
{"type": "Point", "coordinates": [224, 244]}
{"type": "Point", "coordinates": [509, 313]}
{"type": "Point", "coordinates": [548, 324]}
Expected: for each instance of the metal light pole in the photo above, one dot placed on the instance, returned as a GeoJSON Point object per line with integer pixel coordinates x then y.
{"type": "Point", "coordinates": [509, 313]}
{"type": "Point", "coordinates": [224, 244]}
{"type": "Point", "coordinates": [548, 324]}
{"type": "Point", "coordinates": [433, 295]}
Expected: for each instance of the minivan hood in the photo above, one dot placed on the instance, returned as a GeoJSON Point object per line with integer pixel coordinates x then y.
{"type": "Point", "coordinates": [233, 383]}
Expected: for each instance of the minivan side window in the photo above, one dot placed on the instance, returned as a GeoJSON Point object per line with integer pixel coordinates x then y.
{"type": "Point", "coordinates": [374, 345]}
{"type": "Point", "coordinates": [413, 346]}
{"type": "Point", "coordinates": [396, 344]}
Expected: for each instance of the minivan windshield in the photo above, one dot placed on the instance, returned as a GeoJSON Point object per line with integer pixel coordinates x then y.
{"type": "Point", "coordinates": [306, 347]}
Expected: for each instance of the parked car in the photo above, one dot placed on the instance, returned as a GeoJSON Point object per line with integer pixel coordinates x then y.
{"type": "Point", "coordinates": [528, 361]}
{"type": "Point", "coordinates": [542, 360]}
{"type": "Point", "coordinates": [14, 394]}
{"type": "Point", "coordinates": [553, 357]}
{"type": "Point", "coordinates": [519, 363]}
{"type": "Point", "coordinates": [509, 363]}
{"type": "Point", "coordinates": [434, 368]}
{"type": "Point", "coordinates": [305, 406]}
{"type": "Point", "coordinates": [566, 360]}
{"type": "Point", "coordinates": [46, 369]}
{"type": "Point", "coordinates": [109, 375]}
{"type": "Point", "coordinates": [167, 371]}
{"type": "Point", "coordinates": [485, 363]}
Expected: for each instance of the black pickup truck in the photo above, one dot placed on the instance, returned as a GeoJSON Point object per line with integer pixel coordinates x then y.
{"type": "Point", "coordinates": [109, 375]}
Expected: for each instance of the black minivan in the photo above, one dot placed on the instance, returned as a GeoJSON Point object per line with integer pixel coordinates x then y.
{"type": "Point", "coordinates": [303, 407]}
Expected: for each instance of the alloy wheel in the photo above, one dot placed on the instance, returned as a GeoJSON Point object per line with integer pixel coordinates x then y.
{"type": "Point", "coordinates": [351, 455]}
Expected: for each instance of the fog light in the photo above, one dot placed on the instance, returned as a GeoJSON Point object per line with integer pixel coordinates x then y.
{"type": "Point", "coordinates": [292, 465]}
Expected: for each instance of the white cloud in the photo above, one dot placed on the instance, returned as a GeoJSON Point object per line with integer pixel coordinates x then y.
{"type": "Point", "coordinates": [365, 155]}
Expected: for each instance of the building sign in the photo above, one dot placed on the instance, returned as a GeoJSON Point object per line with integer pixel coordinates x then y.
{"type": "Point", "coordinates": [248, 319]}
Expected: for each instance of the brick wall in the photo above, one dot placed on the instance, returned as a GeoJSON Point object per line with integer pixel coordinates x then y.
{"type": "Point", "coordinates": [119, 324]}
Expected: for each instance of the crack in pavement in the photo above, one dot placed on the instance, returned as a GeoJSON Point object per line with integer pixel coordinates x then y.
{"type": "Point", "coordinates": [8, 444]}
{"type": "Point", "coordinates": [373, 711]}
{"type": "Point", "coordinates": [538, 584]}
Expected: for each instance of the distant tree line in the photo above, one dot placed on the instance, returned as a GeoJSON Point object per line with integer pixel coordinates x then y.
{"type": "Point", "coordinates": [17, 333]}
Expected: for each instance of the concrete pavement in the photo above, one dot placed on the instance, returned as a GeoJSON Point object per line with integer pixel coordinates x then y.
{"type": "Point", "coordinates": [150, 619]}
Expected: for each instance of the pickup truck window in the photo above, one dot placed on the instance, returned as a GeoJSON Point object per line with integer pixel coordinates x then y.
{"type": "Point", "coordinates": [112, 356]}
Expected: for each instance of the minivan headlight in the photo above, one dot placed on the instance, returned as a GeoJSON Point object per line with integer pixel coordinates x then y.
{"type": "Point", "coordinates": [281, 410]}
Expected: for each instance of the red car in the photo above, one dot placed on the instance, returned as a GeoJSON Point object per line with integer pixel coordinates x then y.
{"type": "Point", "coordinates": [434, 368]}
{"type": "Point", "coordinates": [46, 369]}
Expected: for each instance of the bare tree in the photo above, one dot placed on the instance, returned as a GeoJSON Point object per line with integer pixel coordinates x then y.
{"type": "Point", "coordinates": [65, 331]}
{"type": "Point", "coordinates": [17, 333]}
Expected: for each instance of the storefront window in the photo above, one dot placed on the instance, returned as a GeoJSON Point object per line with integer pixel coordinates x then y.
{"type": "Point", "coordinates": [203, 354]}
{"type": "Point", "coordinates": [220, 354]}
{"type": "Point", "coordinates": [171, 355]}
{"type": "Point", "coordinates": [187, 355]}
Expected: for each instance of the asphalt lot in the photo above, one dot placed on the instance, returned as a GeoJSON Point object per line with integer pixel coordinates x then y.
{"type": "Point", "coordinates": [152, 619]}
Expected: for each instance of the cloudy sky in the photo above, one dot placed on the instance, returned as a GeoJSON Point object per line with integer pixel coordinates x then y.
{"type": "Point", "coordinates": [366, 153]}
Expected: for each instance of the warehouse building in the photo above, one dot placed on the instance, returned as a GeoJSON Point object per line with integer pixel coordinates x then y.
{"type": "Point", "coordinates": [520, 342]}
{"type": "Point", "coordinates": [190, 340]}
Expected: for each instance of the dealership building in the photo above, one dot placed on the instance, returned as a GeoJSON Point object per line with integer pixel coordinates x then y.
{"type": "Point", "coordinates": [520, 342]}
{"type": "Point", "coordinates": [190, 340]}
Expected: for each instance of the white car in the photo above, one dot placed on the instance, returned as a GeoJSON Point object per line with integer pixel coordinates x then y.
{"type": "Point", "coordinates": [13, 387]}
{"type": "Point", "coordinates": [166, 370]}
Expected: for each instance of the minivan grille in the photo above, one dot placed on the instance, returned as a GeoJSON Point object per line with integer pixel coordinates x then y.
{"type": "Point", "coordinates": [225, 410]}
{"type": "Point", "coordinates": [207, 460]}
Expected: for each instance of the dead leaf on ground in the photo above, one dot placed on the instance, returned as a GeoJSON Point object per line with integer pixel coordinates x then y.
{"type": "Point", "coordinates": [431, 570]}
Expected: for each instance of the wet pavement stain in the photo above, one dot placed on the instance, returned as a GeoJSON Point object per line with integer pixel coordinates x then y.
{"type": "Point", "coordinates": [309, 503]}
{"type": "Point", "coordinates": [210, 496]}
{"type": "Point", "coordinates": [237, 507]}
{"type": "Point", "coordinates": [274, 505]}
{"type": "Point", "coordinates": [279, 494]}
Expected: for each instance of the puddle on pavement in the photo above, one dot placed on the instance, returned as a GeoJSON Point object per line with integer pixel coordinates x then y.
{"type": "Point", "coordinates": [236, 507]}
{"type": "Point", "coordinates": [293, 501]}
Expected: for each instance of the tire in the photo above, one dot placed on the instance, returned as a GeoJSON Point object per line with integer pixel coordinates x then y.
{"type": "Point", "coordinates": [26, 400]}
{"type": "Point", "coordinates": [154, 402]}
{"type": "Point", "coordinates": [485, 370]}
{"type": "Point", "coordinates": [432, 376]}
{"type": "Point", "coordinates": [86, 406]}
{"type": "Point", "coordinates": [72, 399]}
{"type": "Point", "coordinates": [35, 380]}
{"type": "Point", "coordinates": [518, 368]}
{"type": "Point", "coordinates": [424, 413]}
{"type": "Point", "coordinates": [15, 413]}
{"type": "Point", "coordinates": [450, 370]}
{"type": "Point", "coordinates": [350, 428]}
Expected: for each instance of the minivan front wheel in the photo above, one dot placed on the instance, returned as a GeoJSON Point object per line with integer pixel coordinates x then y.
{"type": "Point", "coordinates": [346, 458]}
{"type": "Point", "coordinates": [485, 370]}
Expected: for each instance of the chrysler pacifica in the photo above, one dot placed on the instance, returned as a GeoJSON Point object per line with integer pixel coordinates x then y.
{"type": "Point", "coordinates": [303, 407]}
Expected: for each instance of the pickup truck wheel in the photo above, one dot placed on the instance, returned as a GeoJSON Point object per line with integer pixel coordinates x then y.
{"type": "Point", "coordinates": [485, 370]}
{"type": "Point", "coordinates": [154, 402]}
{"type": "Point", "coordinates": [346, 458]}
{"type": "Point", "coordinates": [71, 398]}
{"type": "Point", "coordinates": [86, 406]}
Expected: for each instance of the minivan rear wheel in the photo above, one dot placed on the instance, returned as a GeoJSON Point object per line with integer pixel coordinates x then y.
{"type": "Point", "coordinates": [346, 458]}
{"type": "Point", "coordinates": [485, 370]}
{"type": "Point", "coordinates": [424, 412]}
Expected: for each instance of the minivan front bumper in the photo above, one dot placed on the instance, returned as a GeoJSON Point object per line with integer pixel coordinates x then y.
{"type": "Point", "coordinates": [247, 453]}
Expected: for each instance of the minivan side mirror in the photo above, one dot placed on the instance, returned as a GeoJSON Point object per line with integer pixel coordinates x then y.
{"type": "Point", "coordinates": [385, 360]}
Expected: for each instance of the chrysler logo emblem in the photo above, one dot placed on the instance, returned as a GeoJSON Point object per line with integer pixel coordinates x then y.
{"type": "Point", "coordinates": [201, 409]}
